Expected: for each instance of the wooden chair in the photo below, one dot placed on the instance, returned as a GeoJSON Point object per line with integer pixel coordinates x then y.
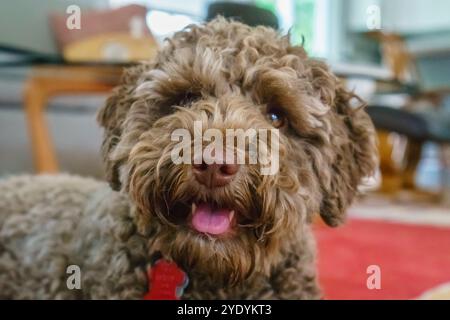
{"type": "Point", "coordinates": [414, 126]}
{"type": "Point", "coordinates": [92, 63]}
{"type": "Point", "coordinates": [48, 81]}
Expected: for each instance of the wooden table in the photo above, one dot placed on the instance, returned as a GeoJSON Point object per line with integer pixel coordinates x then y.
{"type": "Point", "coordinates": [48, 81]}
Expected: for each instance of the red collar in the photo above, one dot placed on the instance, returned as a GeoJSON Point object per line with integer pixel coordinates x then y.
{"type": "Point", "coordinates": [166, 281]}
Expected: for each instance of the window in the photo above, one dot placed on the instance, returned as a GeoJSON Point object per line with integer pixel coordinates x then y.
{"type": "Point", "coordinates": [166, 17]}
{"type": "Point", "coordinates": [307, 21]}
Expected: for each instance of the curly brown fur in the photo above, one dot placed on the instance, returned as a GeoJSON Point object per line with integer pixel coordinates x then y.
{"type": "Point", "coordinates": [226, 75]}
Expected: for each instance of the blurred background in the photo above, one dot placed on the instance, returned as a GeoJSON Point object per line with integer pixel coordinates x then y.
{"type": "Point", "coordinates": [59, 59]}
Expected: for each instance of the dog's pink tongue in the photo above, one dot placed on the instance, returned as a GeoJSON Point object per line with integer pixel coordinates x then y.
{"type": "Point", "coordinates": [208, 220]}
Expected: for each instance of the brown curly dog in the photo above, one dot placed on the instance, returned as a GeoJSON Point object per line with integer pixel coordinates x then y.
{"type": "Point", "coordinates": [235, 232]}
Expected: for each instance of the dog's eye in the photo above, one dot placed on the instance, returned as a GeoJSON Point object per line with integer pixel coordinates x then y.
{"type": "Point", "coordinates": [276, 117]}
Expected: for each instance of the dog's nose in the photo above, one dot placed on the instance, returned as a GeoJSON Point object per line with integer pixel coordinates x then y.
{"type": "Point", "coordinates": [215, 175]}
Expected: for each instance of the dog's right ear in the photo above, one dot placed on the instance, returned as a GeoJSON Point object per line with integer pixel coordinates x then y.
{"type": "Point", "coordinates": [355, 156]}
{"type": "Point", "coordinates": [112, 117]}
{"type": "Point", "coordinates": [351, 150]}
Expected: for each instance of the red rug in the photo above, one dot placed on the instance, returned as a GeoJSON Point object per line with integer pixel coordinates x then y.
{"type": "Point", "coordinates": [412, 259]}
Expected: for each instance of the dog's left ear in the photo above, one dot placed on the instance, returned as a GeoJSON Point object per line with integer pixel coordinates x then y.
{"type": "Point", "coordinates": [352, 150]}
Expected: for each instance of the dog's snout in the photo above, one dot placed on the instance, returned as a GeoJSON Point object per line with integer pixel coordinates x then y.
{"type": "Point", "coordinates": [215, 175]}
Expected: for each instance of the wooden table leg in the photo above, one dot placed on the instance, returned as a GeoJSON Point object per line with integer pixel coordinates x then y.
{"type": "Point", "coordinates": [391, 179]}
{"type": "Point", "coordinates": [413, 154]}
{"type": "Point", "coordinates": [36, 99]}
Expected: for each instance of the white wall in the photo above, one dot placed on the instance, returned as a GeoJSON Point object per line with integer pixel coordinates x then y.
{"type": "Point", "coordinates": [25, 24]}
{"type": "Point", "coordinates": [416, 16]}
{"type": "Point", "coordinates": [357, 13]}
{"type": "Point", "coordinates": [404, 16]}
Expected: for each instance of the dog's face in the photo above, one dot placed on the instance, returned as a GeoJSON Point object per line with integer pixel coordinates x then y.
{"type": "Point", "coordinates": [222, 218]}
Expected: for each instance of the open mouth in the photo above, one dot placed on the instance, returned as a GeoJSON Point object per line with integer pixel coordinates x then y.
{"type": "Point", "coordinates": [205, 217]}
{"type": "Point", "coordinates": [211, 220]}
